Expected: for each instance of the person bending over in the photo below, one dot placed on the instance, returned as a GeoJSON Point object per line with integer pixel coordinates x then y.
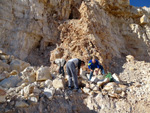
{"type": "Point", "coordinates": [73, 70]}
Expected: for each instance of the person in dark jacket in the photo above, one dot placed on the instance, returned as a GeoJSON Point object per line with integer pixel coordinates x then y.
{"type": "Point", "coordinates": [61, 63]}
{"type": "Point", "coordinates": [73, 71]}
{"type": "Point", "coordinates": [94, 63]}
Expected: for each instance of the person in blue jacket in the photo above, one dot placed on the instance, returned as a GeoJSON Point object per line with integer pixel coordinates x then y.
{"type": "Point", "coordinates": [94, 63]}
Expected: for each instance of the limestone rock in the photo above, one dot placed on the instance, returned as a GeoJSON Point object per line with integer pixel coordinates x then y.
{"type": "Point", "coordinates": [109, 86]}
{"type": "Point", "coordinates": [130, 58]}
{"type": "Point", "coordinates": [49, 92]}
{"type": "Point", "coordinates": [6, 58]}
{"type": "Point", "coordinates": [26, 91]}
{"type": "Point", "coordinates": [4, 67]}
{"type": "Point", "coordinates": [116, 78]}
{"type": "Point", "coordinates": [12, 81]}
{"type": "Point", "coordinates": [144, 19]}
{"type": "Point", "coordinates": [91, 93]}
{"type": "Point", "coordinates": [36, 90]}
{"type": "Point", "coordinates": [13, 72]}
{"type": "Point", "coordinates": [2, 95]}
{"type": "Point", "coordinates": [108, 29]}
{"type": "Point", "coordinates": [21, 104]}
{"type": "Point", "coordinates": [92, 86]}
{"type": "Point", "coordinates": [123, 87]}
{"type": "Point", "coordinates": [4, 75]}
{"type": "Point", "coordinates": [113, 95]}
{"type": "Point", "coordinates": [94, 79]}
{"type": "Point", "coordinates": [20, 87]}
{"type": "Point", "coordinates": [2, 98]}
{"type": "Point", "coordinates": [43, 73]}
{"type": "Point", "coordinates": [2, 92]}
{"type": "Point", "coordinates": [118, 90]}
{"type": "Point", "coordinates": [42, 84]}
{"type": "Point", "coordinates": [102, 82]}
{"type": "Point", "coordinates": [96, 88]}
{"type": "Point", "coordinates": [49, 83]}
{"type": "Point", "coordinates": [59, 53]}
{"type": "Point", "coordinates": [34, 100]}
{"type": "Point", "coordinates": [18, 65]}
{"type": "Point", "coordinates": [58, 83]}
{"type": "Point", "coordinates": [83, 74]}
{"type": "Point", "coordinates": [86, 90]}
{"type": "Point", "coordinates": [29, 74]}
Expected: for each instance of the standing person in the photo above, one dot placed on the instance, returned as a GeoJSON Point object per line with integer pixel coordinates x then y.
{"type": "Point", "coordinates": [61, 63]}
{"type": "Point", "coordinates": [71, 66]}
{"type": "Point", "coordinates": [94, 63]}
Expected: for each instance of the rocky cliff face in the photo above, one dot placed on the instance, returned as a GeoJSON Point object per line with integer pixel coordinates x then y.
{"type": "Point", "coordinates": [104, 28]}
{"type": "Point", "coordinates": [108, 30]}
{"type": "Point", "coordinates": [38, 30]}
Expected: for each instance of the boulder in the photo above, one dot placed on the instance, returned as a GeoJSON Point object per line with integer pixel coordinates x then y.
{"type": "Point", "coordinates": [117, 90]}
{"type": "Point", "coordinates": [4, 66]}
{"type": "Point", "coordinates": [20, 87]}
{"type": "Point", "coordinates": [26, 91]}
{"type": "Point", "coordinates": [36, 90]}
{"type": "Point", "coordinates": [42, 84]}
{"type": "Point", "coordinates": [49, 83]}
{"type": "Point", "coordinates": [58, 83]}
{"type": "Point", "coordinates": [130, 58]}
{"type": "Point", "coordinates": [109, 86]}
{"type": "Point", "coordinates": [100, 83]}
{"type": "Point", "coordinates": [116, 78]}
{"type": "Point", "coordinates": [13, 72]}
{"type": "Point", "coordinates": [21, 104]}
{"type": "Point", "coordinates": [66, 77]}
{"type": "Point", "coordinates": [12, 81]}
{"type": "Point", "coordinates": [91, 93]}
{"type": "Point", "coordinates": [2, 95]}
{"type": "Point", "coordinates": [33, 100]}
{"type": "Point", "coordinates": [88, 76]}
{"type": "Point", "coordinates": [92, 86]}
{"type": "Point", "coordinates": [94, 79]}
{"type": "Point", "coordinates": [59, 52]}
{"type": "Point", "coordinates": [6, 58]}
{"type": "Point", "coordinates": [96, 88]}
{"type": "Point", "coordinates": [2, 98]}
{"type": "Point", "coordinates": [2, 91]}
{"type": "Point", "coordinates": [49, 92]}
{"type": "Point", "coordinates": [81, 81]}
{"type": "Point", "coordinates": [29, 74]}
{"type": "Point", "coordinates": [18, 65]}
{"type": "Point", "coordinates": [43, 73]}
{"type": "Point", "coordinates": [83, 74]}
{"type": "Point", "coordinates": [113, 95]}
{"type": "Point", "coordinates": [123, 87]}
{"type": "Point", "coordinates": [144, 20]}
{"type": "Point", "coordinates": [86, 90]}
{"type": "Point", "coordinates": [4, 75]}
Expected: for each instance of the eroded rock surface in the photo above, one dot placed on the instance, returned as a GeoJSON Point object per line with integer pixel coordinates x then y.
{"type": "Point", "coordinates": [38, 30]}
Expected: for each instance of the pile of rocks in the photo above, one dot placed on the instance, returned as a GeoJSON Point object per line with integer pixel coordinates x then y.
{"type": "Point", "coordinates": [99, 83]}
{"type": "Point", "coordinates": [23, 85]}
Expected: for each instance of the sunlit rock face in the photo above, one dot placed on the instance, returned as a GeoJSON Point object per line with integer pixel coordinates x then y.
{"type": "Point", "coordinates": [35, 32]}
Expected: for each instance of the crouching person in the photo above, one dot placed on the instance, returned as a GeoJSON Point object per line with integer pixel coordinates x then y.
{"type": "Point", "coordinates": [94, 63]}
{"type": "Point", "coordinates": [61, 63]}
{"type": "Point", "coordinates": [73, 71]}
